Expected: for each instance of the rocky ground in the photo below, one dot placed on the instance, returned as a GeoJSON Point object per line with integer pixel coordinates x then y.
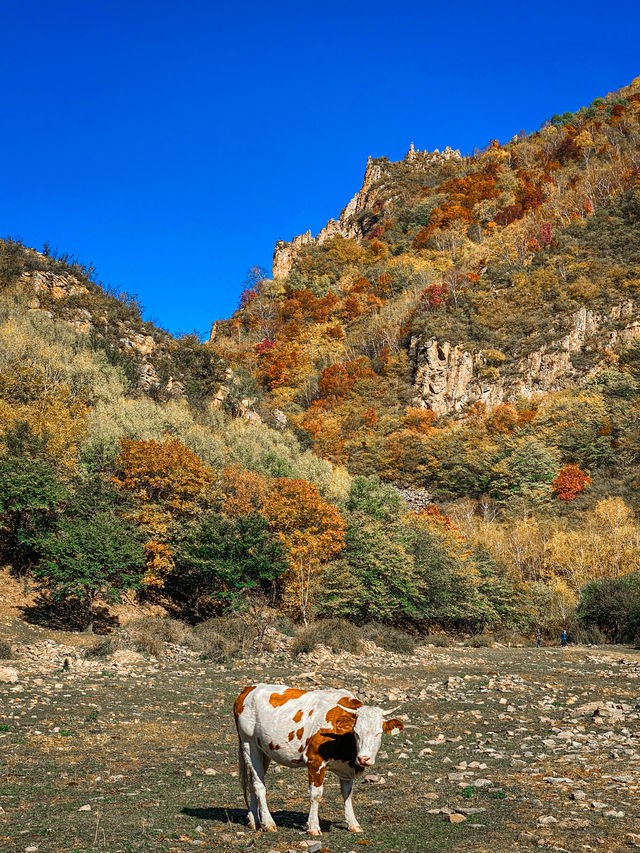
{"type": "Point", "coordinates": [503, 749]}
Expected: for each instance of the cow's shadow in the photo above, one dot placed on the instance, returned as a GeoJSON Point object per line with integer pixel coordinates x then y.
{"type": "Point", "coordinates": [291, 820]}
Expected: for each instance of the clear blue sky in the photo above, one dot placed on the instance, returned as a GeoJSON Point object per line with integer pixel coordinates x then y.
{"type": "Point", "coordinates": [171, 144]}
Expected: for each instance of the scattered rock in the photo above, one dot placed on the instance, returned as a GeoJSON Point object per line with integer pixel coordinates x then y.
{"type": "Point", "coordinates": [8, 674]}
{"type": "Point", "coordinates": [456, 817]}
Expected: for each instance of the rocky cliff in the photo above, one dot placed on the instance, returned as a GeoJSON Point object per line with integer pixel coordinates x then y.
{"type": "Point", "coordinates": [448, 378]}
{"type": "Point", "coordinates": [350, 222]}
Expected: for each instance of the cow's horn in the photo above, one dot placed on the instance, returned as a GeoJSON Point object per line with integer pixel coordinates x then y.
{"type": "Point", "coordinates": [390, 711]}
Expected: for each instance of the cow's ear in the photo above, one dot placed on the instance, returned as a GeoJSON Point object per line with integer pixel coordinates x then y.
{"type": "Point", "coordinates": [390, 725]}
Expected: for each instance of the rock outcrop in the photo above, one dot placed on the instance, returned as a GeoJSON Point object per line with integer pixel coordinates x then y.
{"type": "Point", "coordinates": [448, 378]}
{"type": "Point", "coordinates": [349, 223]}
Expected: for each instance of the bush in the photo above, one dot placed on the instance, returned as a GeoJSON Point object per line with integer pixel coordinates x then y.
{"type": "Point", "coordinates": [148, 635]}
{"type": "Point", "coordinates": [226, 637]}
{"type": "Point", "coordinates": [612, 605]}
{"type": "Point", "coordinates": [5, 651]}
{"type": "Point", "coordinates": [480, 641]}
{"type": "Point", "coordinates": [440, 641]}
{"type": "Point", "coordinates": [389, 638]}
{"type": "Point", "coordinates": [589, 636]}
{"type": "Point", "coordinates": [338, 634]}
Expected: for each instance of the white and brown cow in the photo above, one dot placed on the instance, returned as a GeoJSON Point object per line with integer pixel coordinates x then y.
{"type": "Point", "coordinates": [317, 729]}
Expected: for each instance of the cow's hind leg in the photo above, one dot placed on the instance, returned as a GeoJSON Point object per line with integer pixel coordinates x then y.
{"type": "Point", "coordinates": [316, 780]}
{"type": "Point", "coordinates": [258, 763]}
{"type": "Point", "coordinates": [346, 786]}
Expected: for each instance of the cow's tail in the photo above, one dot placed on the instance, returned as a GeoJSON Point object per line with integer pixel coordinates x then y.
{"type": "Point", "coordinates": [242, 772]}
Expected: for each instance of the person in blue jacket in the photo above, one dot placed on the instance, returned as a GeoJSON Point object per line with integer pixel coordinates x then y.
{"type": "Point", "coordinates": [564, 637]}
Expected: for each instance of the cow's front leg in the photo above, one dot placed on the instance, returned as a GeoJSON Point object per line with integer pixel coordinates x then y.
{"type": "Point", "coordinates": [258, 762]}
{"type": "Point", "coordinates": [346, 786]}
{"type": "Point", "coordinates": [316, 780]}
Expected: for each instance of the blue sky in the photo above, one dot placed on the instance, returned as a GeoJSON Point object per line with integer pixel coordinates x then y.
{"type": "Point", "coordinates": [171, 144]}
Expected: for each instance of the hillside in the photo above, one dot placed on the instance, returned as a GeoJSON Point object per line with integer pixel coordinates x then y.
{"type": "Point", "coordinates": [455, 296]}
{"type": "Point", "coordinates": [465, 335]}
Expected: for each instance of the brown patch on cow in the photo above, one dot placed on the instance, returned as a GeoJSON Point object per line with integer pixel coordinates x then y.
{"type": "Point", "coordinates": [310, 712]}
{"type": "Point", "coordinates": [390, 725]}
{"type": "Point", "coordinates": [301, 748]}
{"type": "Point", "coordinates": [297, 716]}
{"type": "Point", "coordinates": [340, 719]}
{"type": "Point", "coordinates": [238, 705]}
{"type": "Point", "coordinates": [350, 702]}
{"type": "Point", "coordinates": [278, 699]}
{"type": "Point", "coordinates": [299, 733]}
{"type": "Point", "coordinates": [337, 743]}
{"type": "Point", "coordinates": [272, 747]}
{"type": "Point", "coordinates": [291, 736]}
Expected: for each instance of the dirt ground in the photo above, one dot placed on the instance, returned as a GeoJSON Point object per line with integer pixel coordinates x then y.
{"type": "Point", "coordinates": [504, 749]}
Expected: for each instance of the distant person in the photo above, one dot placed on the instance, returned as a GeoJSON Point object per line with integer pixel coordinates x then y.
{"type": "Point", "coordinates": [564, 637]}
{"type": "Point", "coordinates": [538, 637]}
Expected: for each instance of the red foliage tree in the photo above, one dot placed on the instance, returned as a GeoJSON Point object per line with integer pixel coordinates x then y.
{"type": "Point", "coordinates": [569, 482]}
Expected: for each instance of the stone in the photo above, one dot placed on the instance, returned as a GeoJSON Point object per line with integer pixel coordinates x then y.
{"type": "Point", "coordinates": [8, 674]}
{"type": "Point", "coordinates": [373, 779]}
{"type": "Point", "coordinates": [210, 772]}
{"type": "Point", "coordinates": [456, 817]}
{"type": "Point", "coordinates": [85, 808]}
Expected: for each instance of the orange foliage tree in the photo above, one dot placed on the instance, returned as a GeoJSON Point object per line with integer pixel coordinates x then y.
{"type": "Point", "coordinates": [170, 483]}
{"type": "Point", "coordinates": [243, 491]}
{"type": "Point", "coordinates": [311, 531]}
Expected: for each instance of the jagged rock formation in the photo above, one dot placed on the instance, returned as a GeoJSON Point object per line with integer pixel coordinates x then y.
{"type": "Point", "coordinates": [449, 378]}
{"type": "Point", "coordinates": [349, 223]}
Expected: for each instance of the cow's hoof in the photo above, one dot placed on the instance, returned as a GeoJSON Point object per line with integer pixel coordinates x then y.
{"type": "Point", "coordinates": [314, 832]}
{"type": "Point", "coordinates": [270, 827]}
{"type": "Point", "coordinates": [355, 828]}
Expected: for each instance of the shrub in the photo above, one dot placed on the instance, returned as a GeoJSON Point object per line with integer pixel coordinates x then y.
{"type": "Point", "coordinates": [480, 641]}
{"type": "Point", "coordinates": [5, 651]}
{"type": "Point", "coordinates": [226, 637]}
{"type": "Point", "coordinates": [389, 638]}
{"type": "Point", "coordinates": [149, 635]}
{"type": "Point", "coordinates": [338, 634]}
{"type": "Point", "coordinates": [612, 605]}
{"type": "Point", "coordinates": [440, 641]}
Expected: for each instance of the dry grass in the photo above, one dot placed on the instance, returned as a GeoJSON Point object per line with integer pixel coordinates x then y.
{"type": "Point", "coordinates": [337, 634]}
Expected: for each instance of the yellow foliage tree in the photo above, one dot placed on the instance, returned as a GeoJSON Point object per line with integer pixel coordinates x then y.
{"type": "Point", "coordinates": [311, 531]}
{"type": "Point", "coordinates": [170, 483]}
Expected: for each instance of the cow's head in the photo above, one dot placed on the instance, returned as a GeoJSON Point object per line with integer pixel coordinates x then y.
{"type": "Point", "coordinates": [368, 729]}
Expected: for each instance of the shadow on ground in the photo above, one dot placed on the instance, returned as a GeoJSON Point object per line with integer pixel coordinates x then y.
{"type": "Point", "coordinates": [69, 615]}
{"type": "Point", "coordinates": [292, 820]}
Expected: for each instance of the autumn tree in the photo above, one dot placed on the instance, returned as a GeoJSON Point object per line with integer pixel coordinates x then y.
{"type": "Point", "coordinates": [311, 531]}
{"type": "Point", "coordinates": [170, 483]}
{"type": "Point", "coordinates": [243, 491]}
{"type": "Point", "coordinates": [569, 482]}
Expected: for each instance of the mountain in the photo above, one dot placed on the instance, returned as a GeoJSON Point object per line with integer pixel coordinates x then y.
{"type": "Point", "coordinates": [427, 417]}
{"type": "Point", "coordinates": [451, 286]}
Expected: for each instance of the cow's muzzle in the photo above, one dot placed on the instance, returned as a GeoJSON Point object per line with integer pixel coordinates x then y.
{"type": "Point", "coordinates": [363, 761]}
